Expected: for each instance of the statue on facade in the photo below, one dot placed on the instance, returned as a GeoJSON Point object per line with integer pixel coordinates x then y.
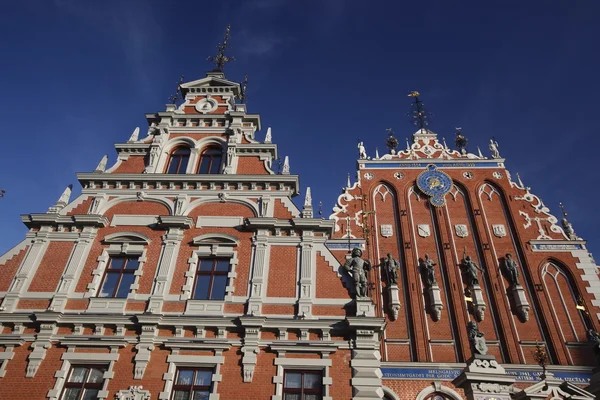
{"type": "Point", "coordinates": [511, 269]}
{"type": "Point", "coordinates": [356, 266]}
{"type": "Point", "coordinates": [427, 271]}
{"type": "Point", "coordinates": [476, 339]}
{"type": "Point", "coordinates": [470, 269]}
{"type": "Point", "coordinates": [391, 268]}
{"type": "Point", "coordinates": [494, 149]}
{"type": "Point", "coordinates": [362, 153]}
{"type": "Point", "coordinates": [594, 339]}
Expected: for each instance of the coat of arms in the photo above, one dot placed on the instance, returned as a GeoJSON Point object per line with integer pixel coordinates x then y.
{"type": "Point", "coordinates": [386, 230]}
{"type": "Point", "coordinates": [423, 230]}
{"type": "Point", "coordinates": [499, 230]}
{"type": "Point", "coordinates": [461, 230]}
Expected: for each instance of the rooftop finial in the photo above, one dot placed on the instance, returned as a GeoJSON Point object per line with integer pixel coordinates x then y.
{"type": "Point", "coordinates": [562, 208]}
{"type": "Point", "coordinates": [221, 59]}
{"type": "Point", "coordinates": [460, 141]}
{"type": "Point", "coordinates": [307, 210]}
{"type": "Point", "coordinates": [420, 117]}
{"type": "Point", "coordinates": [391, 142]}
{"type": "Point", "coordinates": [348, 181]}
{"type": "Point", "coordinates": [243, 96]}
{"type": "Point", "coordinates": [567, 226]}
{"type": "Point", "coordinates": [177, 95]}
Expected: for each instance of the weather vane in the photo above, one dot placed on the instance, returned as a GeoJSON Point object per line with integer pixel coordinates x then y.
{"type": "Point", "coordinates": [177, 95]}
{"type": "Point", "coordinates": [418, 113]}
{"type": "Point", "coordinates": [243, 96]}
{"type": "Point", "coordinates": [221, 59]}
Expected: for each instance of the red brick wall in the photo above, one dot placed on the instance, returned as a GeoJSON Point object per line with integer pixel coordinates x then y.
{"type": "Point", "coordinates": [51, 267]}
{"type": "Point", "coordinates": [133, 165]}
{"type": "Point", "coordinates": [282, 271]}
{"type": "Point", "coordinates": [251, 166]}
{"type": "Point", "coordinates": [9, 269]}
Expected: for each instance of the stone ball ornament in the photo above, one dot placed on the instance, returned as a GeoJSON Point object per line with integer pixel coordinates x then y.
{"type": "Point", "coordinates": [435, 184]}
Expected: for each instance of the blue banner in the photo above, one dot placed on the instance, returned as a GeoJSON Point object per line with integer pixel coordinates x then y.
{"type": "Point", "coordinates": [439, 164]}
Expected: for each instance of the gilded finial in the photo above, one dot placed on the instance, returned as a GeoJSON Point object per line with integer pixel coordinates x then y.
{"type": "Point", "coordinates": [460, 141]}
{"type": "Point", "coordinates": [177, 95]}
{"type": "Point", "coordinates": [420, 117]}
{"type": "Point", "coordinates": [221, 59]}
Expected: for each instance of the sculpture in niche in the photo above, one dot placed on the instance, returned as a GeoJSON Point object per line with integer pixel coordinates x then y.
{"type": "Point", "coordinates": [470, 270]}
{"type": "Point", "coordinates": [356, 266]}
{"type": "Point", "coordinates": [511, 269]}
{"type": "Point", "coordinates": [427, 271]}
{"type": "Point", "coordinates": [476, 339]}
{"type": "Point", "coordinates": [594, 339]}
{"type": "Point", "coordinates": [391, 269]}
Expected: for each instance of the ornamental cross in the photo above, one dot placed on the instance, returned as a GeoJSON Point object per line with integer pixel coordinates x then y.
{"type": "Point", "coordinates": [221, 59]}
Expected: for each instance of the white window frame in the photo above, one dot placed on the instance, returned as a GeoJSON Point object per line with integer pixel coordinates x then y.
{"type": "Point", "coordinates": [71, 359]}
{"type": "Point", "coordinates": [110, 304]}
{"type": "Point", "coordinates": [177, 361]}
{"type": "Point", "coordinates": [224, 249]}
{"type": "Point", "coordinates": [302, 364]}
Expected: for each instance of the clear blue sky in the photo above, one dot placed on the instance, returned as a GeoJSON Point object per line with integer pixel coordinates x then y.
{"type": "Point", "coordinates": [78, 76]}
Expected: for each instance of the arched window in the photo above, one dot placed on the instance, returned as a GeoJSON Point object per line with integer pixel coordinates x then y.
{"type": "Point", "coordinates": [210, 161]}
{"type": "Point", "coordinates": [178, 161]}
{"type": "Point", "coordinates": [437, 396]}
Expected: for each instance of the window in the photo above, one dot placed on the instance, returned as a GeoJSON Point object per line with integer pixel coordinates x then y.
{"type": "Point", "coordinates": [302, 385]}
{"type": "Point", "coordinates": [83, 383]}
{"type": "Point", "coordinates": [211, 279]}
{"type": "Point", "coordinates": [119, 276]}
{"type": "Point", "coordinates": [178, 161]}
{"type": "Point", "coordinates": [192, 384]}
{"type": "Point", "coordinates": [210, 161]}
{"type": "Point", "coordinates": [436, 396]}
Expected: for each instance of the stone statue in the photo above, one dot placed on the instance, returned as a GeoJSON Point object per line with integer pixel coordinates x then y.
{"type": "Point", "coordinates": [511, 269]}
{"type": "Point", "coordinates": [427, 271]}
{"type": "Point", "coordinates": [470, 269]}
{"type": "Point", "coordinates": [356, 266]}
{"type": "Point", "coordinates": [362, 153]}
{"type": "Point", "coordinates": [476, 339]}
{"type": "Point", "coordinates": [494, 149]}
{"type": "Point", "coordinates": [594, 339]}
{"type": "Point", "coordinates": [391, 268]}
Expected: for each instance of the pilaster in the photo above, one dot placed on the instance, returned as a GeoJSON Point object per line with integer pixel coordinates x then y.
{"type": "Point", "coordinates": [259, 273]}
{"type": "Point", "coordinates": [307, 275]}
{"type": "Point", "coordinates": [366, 358]}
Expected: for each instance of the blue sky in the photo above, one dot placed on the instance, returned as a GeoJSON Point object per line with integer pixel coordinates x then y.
{"type": "Point", "coordinates": [78, 76]}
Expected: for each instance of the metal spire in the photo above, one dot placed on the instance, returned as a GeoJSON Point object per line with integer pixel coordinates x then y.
{"type": "Point", "coordinates": [177, 95]}
{"type": "Point", "coordinates": [420, 117]}
{"type": "Point", "coordinates": [221, 59]}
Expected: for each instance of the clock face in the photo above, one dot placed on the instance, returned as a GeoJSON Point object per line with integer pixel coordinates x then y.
{"type": "Point", "coordinates": [436, 184]}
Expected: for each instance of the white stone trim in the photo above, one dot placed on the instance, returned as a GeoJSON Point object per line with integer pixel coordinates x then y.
{"type": "Point", "coordinates": [109, 304]}
{"type": "Point", "coordinates": [70, 358]}
{"type": "Point", "coordinates": [218, 221]}
{"type": "Point", "coordinates": [5, 357]}
{"type": "Point", "coordinates": [225, 250]}
{"type": "Point", "coordinates": [133, 220]}
{"type": "Point", "coordinates": [437, 386]}
{"type": "Point", "coordinates": [390, 393]}
{"type": "Point", "coordinates": [14, 251]}
{"type": "Point", "coordinates": [290, 364]}
{"type": "Point", "coordinates": [176, 361]}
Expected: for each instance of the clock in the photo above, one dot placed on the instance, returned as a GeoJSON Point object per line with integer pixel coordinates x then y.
{"type": "Point", "coordinates": [435, 184]}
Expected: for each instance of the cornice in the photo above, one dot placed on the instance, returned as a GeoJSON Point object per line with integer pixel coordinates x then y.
{"type": "Point", "coordinates": [36, 220]}
{"type": "Point", "coordinates": [95, 181]}
{"type": "Point", "coordinates": [315, 224]}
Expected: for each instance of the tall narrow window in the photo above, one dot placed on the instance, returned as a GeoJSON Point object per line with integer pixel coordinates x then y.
{"type": "Point", "coordinates": [119, 276]}
{"type": "Point", "coordinates": [303, 385]}
{"type": "Point", "coordinates": [192, 384]}
{"type": "Point", "coordinates": [210, 161]}
{"type": "Point", "coordinates": [178, 161]}
{"type": "Point", "coordinates": [211, 279]}
{"type": "Point", "coordinates": [83, 383]}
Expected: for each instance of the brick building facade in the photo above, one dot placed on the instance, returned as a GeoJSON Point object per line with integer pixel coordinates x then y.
{"type": "Point", "coordinates": [185, 269]}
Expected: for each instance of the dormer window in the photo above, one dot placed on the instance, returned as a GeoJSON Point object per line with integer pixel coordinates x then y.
{"type": "Point", "coordinates": [210, 161]}
{"type": "Point", "coordinates": [178, 161]}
